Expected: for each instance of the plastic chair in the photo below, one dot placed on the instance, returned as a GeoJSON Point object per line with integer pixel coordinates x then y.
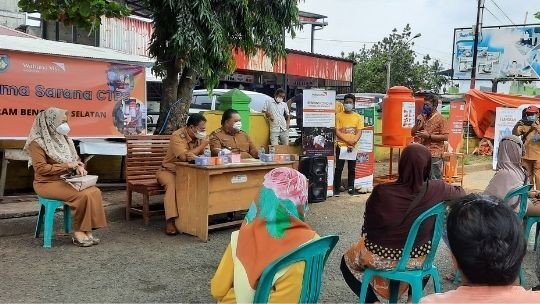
{"type": "Point", "coordinates": [314, 254]}
{"type": "Point", "coordinates": [46, 214]}
{"type": "Point", "coordinates": [529, 222]}
{"type": "Point", "coordinates": [401, 273]}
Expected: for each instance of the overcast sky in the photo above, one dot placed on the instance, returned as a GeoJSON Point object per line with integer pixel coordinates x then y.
{"type": "Point", "coordinates": [353, 22]}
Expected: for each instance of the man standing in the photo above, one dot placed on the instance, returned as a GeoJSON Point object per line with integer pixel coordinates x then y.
{"type": "Point", "coordinates": [432, 130]}
{"type": "Point", "coordinates": [186, 143]}
{"type": "Point", "coordinates": [349, 125]}
{"type": "Point", "coordinates": [230, 137]}
{"type": "Point", "coordinates": [529, 130]}
{"type": "Point", "coordinates": [277, 113]}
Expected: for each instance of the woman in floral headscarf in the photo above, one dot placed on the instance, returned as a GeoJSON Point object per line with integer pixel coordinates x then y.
{"type": "Point", "coordinates": [52, 154]}
{"type": "Point", "coordinates": [274, 226]}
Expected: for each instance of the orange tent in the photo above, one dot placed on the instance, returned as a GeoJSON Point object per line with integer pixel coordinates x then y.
{"type": "Point", "coordinates": [481, 106]}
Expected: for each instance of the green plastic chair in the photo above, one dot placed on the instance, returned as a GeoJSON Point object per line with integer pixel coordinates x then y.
{"type": "Point", "coordinates": [523, 193]}
{"type": "Point", "coordinates": [314, 254]}
{"type": "Point", "coordinates": [529, 222]}
{"type": "Point", "coordinates": [401, 273]}
{"type": "Point", "coordinates": [46, 219]}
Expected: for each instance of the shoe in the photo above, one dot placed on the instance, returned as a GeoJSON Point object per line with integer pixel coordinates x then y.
{"type": "Point", "coordinates": [83, 243]}
{"type": "Point", "coordinates": [94, 240]}
{"type": "Point", "coordinates": [170, 228]}
{"type": "Point", "coordinates": [351, 191]}
{"type": "Point", "coordinates": [537, 288]}
{"type": "Point", "coordinates": [341, 189]}
{"type": "Point", "coordinates": [337, 194]}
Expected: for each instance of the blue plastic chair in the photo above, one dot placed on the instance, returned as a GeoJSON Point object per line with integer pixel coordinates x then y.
{"type": "Point", "coordinates": [523, 193]}
{"type": "Point", "coordinates": [529, 222]}
{"type": "Point", "coordinates": [401, 273]}
{"type": "Point", "coordinates": [314, 254]}
{"type": "Point", "coordinates": [46, 214]}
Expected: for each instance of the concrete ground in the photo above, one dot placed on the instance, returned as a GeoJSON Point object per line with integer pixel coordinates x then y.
{"type": "Point", "coordinates": [135, 263]}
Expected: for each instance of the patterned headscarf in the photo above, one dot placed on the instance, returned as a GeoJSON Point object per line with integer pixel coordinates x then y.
{"type": "Point", "coordinates": [57, 146]}
{"type": "Point", "coordinates": [274, 225]}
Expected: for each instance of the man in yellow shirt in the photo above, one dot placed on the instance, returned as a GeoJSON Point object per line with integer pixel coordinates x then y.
{"type": "Point", "coordinates": [349, 125]}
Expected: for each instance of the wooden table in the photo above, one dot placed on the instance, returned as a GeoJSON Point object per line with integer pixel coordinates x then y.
{"type": "Point", "coordinates": [209, 190]}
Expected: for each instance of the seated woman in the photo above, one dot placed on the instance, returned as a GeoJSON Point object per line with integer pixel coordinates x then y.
{"type": "Point", "coordinates": [390, 211]}
{"type": "Point", "coordinates": [511, 174]}
{"type": "Point", "coordinates": [273, 226]}
{"type": "Point", "coordinates": [53, 154]}
{"type": "Point", "coordinates": [488, 251]}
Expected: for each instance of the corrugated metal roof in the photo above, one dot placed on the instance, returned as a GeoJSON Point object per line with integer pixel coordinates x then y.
{"type": "Point", "coordinates": [4, 30]}
{"type": "Point", "coordinates": [41, 46]}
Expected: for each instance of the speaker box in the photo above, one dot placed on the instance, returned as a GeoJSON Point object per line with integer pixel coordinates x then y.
{"type": "Point", "coordinates": [316, 171]}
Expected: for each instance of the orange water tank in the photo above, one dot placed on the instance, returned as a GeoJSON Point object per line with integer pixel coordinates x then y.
{"type": "Point", "coordinates": [398, 116]}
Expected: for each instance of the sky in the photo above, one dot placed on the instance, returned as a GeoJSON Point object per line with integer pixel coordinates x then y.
{"type": "Point", "coordinates": [353, 23]}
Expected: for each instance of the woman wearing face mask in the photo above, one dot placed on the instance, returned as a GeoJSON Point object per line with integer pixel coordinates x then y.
{"type": "Point", "coordinates": [52, 154]}
{"type": "Point", "coordinates": [186, 143]}
{"type": "Point", "coordinates": [529, 131]}
{"type": "Point", "coordinates": [230, 137]}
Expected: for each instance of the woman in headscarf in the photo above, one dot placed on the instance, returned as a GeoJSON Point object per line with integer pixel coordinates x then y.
{"type": "Point", "coordinates": [387, 222]}
{"type": "Point", "coordinates": [511, 174]}
{"type": "Point", "coordinates": [52, 154]}
{"type": "Point", "coordinates": [274, 226]}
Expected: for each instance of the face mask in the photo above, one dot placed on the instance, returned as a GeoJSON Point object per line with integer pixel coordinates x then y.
{"type": "Point", "coordinates": [279, 99]}
{"type": "Point", "coordinates": [237, 126]}
{"type": "Point", "coordinates": [531, 118]}
{"type": "Point", "coordinates": [348, 107]}
{"type": "Point", "coordinates": [63, 129]}
{"type": "Point", "coordinates": [427, 110]}
{"type": "Point", "coordinates": [200, 135]}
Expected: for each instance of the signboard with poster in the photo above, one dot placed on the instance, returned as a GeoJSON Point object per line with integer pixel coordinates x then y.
{"type": "Point", "coordinates": [455, 135]}
{"type": "Point", "coordinates": [408, 114]}
{"type": "Point", "coordinates": [365, 160]}
{"type": "Point", "coordinates": [505, 120]}
{"type": "Point", "coordinates": [105, 100]}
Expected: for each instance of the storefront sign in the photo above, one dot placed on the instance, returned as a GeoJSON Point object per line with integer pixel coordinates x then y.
{"type": "Point", "coordinates": [104, 99]}
{"type": "Point", "coordinates": [238, 78]}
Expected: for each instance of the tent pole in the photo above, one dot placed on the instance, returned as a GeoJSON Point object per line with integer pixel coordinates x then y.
{"type": "Point", "coordinates": [468, 126]}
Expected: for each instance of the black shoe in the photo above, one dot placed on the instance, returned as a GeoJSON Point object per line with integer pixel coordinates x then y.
{"type": "Point", "coordinates": [351, 191]}
{"type": "Point", "coordinates": [337, 193]}
{"type": "Point", "coordinates": [537, 288]}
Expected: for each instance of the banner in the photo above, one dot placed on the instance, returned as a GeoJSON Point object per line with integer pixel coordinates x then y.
{"type": "Point", "coordinates": [365, 160]}
{"type": "Point", "coordinates": [505, 120]}
{"type": "Point", "coordinates": [455, 136]}
{"type": "Point", "coordinates": [503, 52]}
{"type": "Point", "coordinates": [104, 99]}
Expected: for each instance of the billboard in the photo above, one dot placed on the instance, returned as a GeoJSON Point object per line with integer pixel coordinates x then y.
{"type": "Point", "coordinates": [104, 99]}
{"type": "Point", "coordinates": [503, 52]}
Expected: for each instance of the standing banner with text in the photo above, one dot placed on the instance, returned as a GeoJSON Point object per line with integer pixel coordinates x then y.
{"type": "Point", "coordinates": [319, 128]}
{"type": "Point", "coordinates": [365, 160]}
{"type": "Point", "coordinates": [505, 120]}
{"type": "Point", "coordinates": [105, 99]}
{"type": "Point", "coordinates": [455, 135]}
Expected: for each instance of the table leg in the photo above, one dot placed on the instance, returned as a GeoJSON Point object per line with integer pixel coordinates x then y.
{"type": "Point", "coordinates": [122, 168]}
{"type": "Point", "coordinates": [391, 162]}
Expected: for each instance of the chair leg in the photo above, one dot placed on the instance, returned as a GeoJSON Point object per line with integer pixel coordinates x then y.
{"type": "Point", "coordinates": [457, 278]}
{"type": "Point", "coordinates": [536, 236]}
{"type": "Point", "coordinates": [146, 209]}
{"type": "Point", "coordinates": [366, 279]}
{"type": "Point", "coordinates": [521, 277]}
{"type": "Point", "coordinates": [527, 231]}
{"type": "Point", "coordinates": [67, 219]}
{"type": "Point", "coordinates": [436, 281]}
{"type": "Point", "coordinates": [416, 291]}
{"type": "Point", "coordinates": [129, 200]}
{"type": "Point", "coordinates": [49, 225]}
{"type": "Point", "coordinates": [39, 224]}
{"type": "Point", "coordinates": [394, 291]}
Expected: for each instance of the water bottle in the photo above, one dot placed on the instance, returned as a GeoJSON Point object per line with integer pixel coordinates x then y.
{"type": "Point", "coordinates": [272, 150]}
{"type": "Point", "coordinates": [262, 151]}
{"type": "Point", "coordinates": [207, 152]}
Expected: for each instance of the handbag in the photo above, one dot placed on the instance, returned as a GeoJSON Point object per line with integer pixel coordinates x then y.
{"type": "Point", "coordinates": [80, 183]}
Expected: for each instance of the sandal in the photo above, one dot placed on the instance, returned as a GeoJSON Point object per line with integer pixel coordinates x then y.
{"type": "Point", "coordinates": [84, 243]}
{"type": "Point", "coordinates": [93, 239]}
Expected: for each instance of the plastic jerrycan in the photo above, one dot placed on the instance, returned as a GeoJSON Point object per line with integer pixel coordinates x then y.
{"type": "Point", "coordinates": [398, 116]}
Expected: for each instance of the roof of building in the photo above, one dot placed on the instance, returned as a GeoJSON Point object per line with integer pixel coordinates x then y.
{"type": "Point", "coordinates": [56, 48]}
{"type": "Point", "coordinates": [4, 30]}
{"type": "Point", "coordinates": [311, 15]}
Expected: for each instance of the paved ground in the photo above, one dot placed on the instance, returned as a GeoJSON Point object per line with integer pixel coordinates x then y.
{"type": "Point", "coordinates": [140, 264]}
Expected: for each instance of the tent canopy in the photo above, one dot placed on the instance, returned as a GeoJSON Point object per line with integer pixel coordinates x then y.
{"type": "Point", "coordinates": [482, 106]}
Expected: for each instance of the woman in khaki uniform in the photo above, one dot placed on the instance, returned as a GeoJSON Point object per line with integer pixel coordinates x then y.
{"type": "Point", "coordinates": [53, 154]}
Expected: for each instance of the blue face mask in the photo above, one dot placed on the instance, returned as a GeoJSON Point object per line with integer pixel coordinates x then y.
{"type": "Point", "coordinates": [531, 118]}
{"type": "Point", "coordinates": [427, 110]}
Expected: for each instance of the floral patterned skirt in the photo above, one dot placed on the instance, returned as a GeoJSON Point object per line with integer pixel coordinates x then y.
{"type": "Point", "coordinates": [358, 258]}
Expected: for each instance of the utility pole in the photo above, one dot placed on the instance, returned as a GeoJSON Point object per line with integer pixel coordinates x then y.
{"type": "Point", "coordinates": [477, 28]}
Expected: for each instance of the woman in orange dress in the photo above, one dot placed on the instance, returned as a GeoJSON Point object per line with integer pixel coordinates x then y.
{"type": "Point", "coordinates": [52, 154]}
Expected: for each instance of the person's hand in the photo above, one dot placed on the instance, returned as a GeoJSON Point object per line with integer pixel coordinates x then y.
{"type": "Point", "coordinates": [520, 123]}
{"type": "Point", "coordinates": [74, 164]}
{"type": "Point", "coordinates": [422, 134]}
{"type": "Point", "coordinates": [349, 149]}
{"type": "Point", "coordinates": [533, 194]}
{"type": "Point", "coordinates": [288, 126]}
{"type": "Point", "coordinates": [205, 142]}
{"type": "Point", "coordinates": [270, 116]}
{"type": "Point", "coordinates": [81, 171]}
{"type": "Point", "coordinates": [420, 119]}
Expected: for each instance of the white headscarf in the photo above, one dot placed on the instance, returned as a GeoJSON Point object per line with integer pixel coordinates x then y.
{"type": "Point", "coordinates": [57, 146]}
{"type": "Point", "coordinates": [510, 173]}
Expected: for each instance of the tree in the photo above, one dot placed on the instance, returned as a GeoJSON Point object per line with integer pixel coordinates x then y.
{"type": "Point", "coordinates": [371, 65]}
{"type": "Point", "coordinates": [192, 39]}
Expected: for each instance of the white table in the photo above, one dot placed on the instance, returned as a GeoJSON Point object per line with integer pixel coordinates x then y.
{"type": "Point", "coordinates": [96, 146]}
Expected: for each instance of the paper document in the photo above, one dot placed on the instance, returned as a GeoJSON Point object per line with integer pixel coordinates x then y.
{"type": "Point", "coordinates": [343, 154]}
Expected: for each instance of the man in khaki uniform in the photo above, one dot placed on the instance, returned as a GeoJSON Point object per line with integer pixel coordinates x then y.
{"type": "Point", "coordinates": [528, 129]}
{"type": "Point", "coordinates": [231, 137]}
{"type": "Point", "coordinates": [186, 143]}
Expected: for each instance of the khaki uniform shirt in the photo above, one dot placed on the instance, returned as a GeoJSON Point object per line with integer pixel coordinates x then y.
{"type": "Point", "coordinates": [179, 146]}
{"type": "Point", "coordinates": [237, 143]}
{"type": "Point", "coordinates": [531, 144]}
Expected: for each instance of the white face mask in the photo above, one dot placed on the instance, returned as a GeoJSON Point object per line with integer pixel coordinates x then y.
{"type": "Point", "coordinates": [279, 99]}
{"type": "Point", "coordinates": [348, 107]}
{"type": "Point", "coordinates": [63, 129]}
{"type": "Point", "coordinates": [200, 135]}
{"type": "Point", "coordinates": [237, 126]}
